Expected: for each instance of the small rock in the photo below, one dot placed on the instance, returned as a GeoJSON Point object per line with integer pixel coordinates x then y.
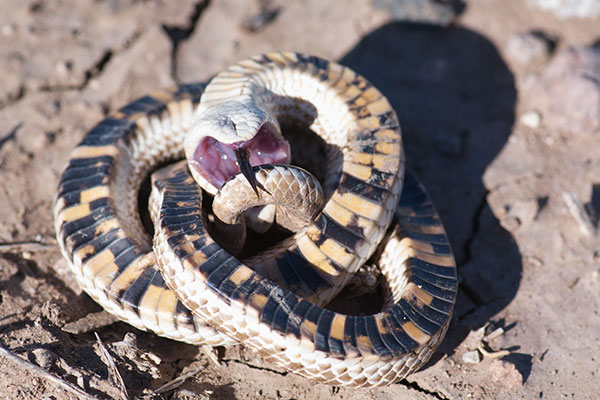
{"type": "Point", "coordinates": [531, 119]}
{"type": "Point", "coordinates": [571, 8]}
{"type": "Point", "coordinates": [126, 347]}
{"type": "Point", "coordinates": [507, 373]}
{"type": "Point", "coordinates": [529, 47]}
{"type": "Point", "coordinates": [44, 358]}
{"type": "Point", "coordinates": [472, 357]}
{"type": "Point", "coordinates": [152, 357]}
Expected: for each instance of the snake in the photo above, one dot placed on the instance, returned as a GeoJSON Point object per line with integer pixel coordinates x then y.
{"type": "Point", "coordinates": [182, 284]}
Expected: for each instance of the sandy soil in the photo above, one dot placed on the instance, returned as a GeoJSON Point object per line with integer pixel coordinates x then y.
{"type": "Point", "coordinates": [518, 192]}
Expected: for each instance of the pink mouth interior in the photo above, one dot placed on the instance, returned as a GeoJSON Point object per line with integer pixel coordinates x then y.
{"type": "Point", "coordinates": [216, 161]}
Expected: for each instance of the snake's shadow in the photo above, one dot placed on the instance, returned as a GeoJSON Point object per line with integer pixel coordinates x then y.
{"type": "Point", "coordinates": [455, 98]}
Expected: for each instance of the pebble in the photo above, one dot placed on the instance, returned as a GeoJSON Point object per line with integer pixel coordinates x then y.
{"type": "Point", "coordinates": [507, 373]}
{"type": "Point", "coordinates": [531, 119]}
{"type": "Point", "coordinates": [472, 357]}
{"type": "Point", "coordinates": [44, 358]}
{"type": "Point", "coordinates": [529, 47]}
{"type": "Point", "coordinates": [129, 343]}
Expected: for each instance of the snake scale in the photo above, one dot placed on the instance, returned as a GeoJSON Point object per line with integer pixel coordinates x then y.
{"type": "Point", "coordinates": [183, 285]}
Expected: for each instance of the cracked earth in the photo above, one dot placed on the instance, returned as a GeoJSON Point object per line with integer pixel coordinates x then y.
{"type": "Point", "coordinates": [499, 103]}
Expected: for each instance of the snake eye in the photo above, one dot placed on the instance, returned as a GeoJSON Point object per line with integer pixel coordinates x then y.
{"type": "Point", "coordinates": [241, 154]}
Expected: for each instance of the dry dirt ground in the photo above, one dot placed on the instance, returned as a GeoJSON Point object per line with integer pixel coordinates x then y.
{"type": "Point", "coordinates": [490, 127]}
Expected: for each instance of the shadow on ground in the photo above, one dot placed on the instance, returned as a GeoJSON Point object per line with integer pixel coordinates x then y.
{"type": "Point", "coordinates": [455, 98]}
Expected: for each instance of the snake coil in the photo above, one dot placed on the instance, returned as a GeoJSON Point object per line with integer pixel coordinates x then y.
{"type": "Point", "coordinates": [187, 287]}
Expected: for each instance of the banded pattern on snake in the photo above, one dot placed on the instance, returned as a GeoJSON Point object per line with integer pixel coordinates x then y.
{"type": "Point", "coordinates": [274, 308]}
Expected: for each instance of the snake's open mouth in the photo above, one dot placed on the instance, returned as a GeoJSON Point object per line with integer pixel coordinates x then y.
{"type": "Point", "coordinates": [217, 162]}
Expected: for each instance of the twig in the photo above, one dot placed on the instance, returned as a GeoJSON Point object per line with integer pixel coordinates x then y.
{"type": "Point", "coordinates": [175, 383]}
{"type": "Point", "coordinates": [30, 244]}
{"type": "Point", "coordinates": [45, 374]}
{"type": "Point", "coordinates": [492, 354]}
{"type": "Point", "coordinates": [112, 368]}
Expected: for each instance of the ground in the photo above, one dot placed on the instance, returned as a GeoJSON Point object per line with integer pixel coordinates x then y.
{"type": "Point", "coordinates": [499, 103]}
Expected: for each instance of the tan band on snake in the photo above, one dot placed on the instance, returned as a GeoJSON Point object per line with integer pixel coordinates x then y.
{"type": "Point", "coordinates": [280, 317]}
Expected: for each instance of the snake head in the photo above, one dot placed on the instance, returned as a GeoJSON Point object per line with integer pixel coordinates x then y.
{"type": "Point", "coordinates": [211, 146]}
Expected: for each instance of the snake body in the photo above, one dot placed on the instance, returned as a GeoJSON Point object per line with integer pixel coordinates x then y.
{"type": "Point", "coordinates": [209, 297]}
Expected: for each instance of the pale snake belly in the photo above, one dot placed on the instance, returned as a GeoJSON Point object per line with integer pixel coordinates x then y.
{"type": "Point", "coordinates": [209, 297]}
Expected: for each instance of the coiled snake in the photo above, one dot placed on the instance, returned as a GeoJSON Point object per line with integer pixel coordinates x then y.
{"type": "Point", "coordinates": [187, 287]}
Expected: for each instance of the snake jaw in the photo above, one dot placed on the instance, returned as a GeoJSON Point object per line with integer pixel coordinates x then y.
{"type": "Point", "coordinates": [214, 162]}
